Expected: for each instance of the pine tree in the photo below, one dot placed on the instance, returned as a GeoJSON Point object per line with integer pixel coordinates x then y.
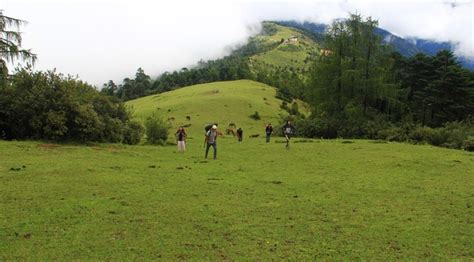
{"type": "Point", "coordinates": [10, 44]}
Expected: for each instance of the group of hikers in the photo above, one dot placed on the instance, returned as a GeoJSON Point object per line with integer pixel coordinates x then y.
{"type": "Point", "coordinates": [211, 134]}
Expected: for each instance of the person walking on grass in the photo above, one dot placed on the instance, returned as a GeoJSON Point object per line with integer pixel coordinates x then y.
{"type": "Point", "coordinates": [288, 131]}
{"type": "Point", "coordinates": [268, 131]}
{"type": "Point", "coordinates": [211, 137]}
{"type": "Point", "coordinates": [181, 139]}
{"type": "Point", "coordinates": [240, 134]}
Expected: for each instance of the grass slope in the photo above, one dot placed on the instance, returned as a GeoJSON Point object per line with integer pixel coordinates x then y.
{"type": "Point", "coordinates": [221, 102]}
{"type": "Point", "coordinates": [328, 200]}
{"type": "Point", "coordinates": [286, 54]}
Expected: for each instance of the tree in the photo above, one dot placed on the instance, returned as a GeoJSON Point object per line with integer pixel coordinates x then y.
{"type": "Point", "coordinates": [156, 130]}
{"type": "Point", "coordinates": [48, 105]}
{"type": "Point", "coordinates": [353, 71]}
{"type": "Point", "coordinates": [109, 88]}
{"type": "Point", "coordinates": [449, 96]}
{"type": "Point", "coordinates": [10, 44]}
{"type": "Point", "coordinates": [436, 89]}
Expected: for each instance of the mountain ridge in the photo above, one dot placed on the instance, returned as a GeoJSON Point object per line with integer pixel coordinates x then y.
{"type": "Point", "coordinates": [405, 46]}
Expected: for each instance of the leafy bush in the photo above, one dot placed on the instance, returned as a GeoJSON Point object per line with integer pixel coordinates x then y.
{"type": "Point", "coordinates": [394, 133]}
{"type": "Point", "coordinates": [468, 144]}
{"type": "Point", "coordinates": [422, 134]}
{"type": "Point", "coordinates": [114, 130]}
{"type": "Point", "coordinates": [156, 130]}
{"type": "Point", "coordinates": [55, 127]}
{"type": "Point", "coordinates": [133, 132]}
{"type": "Point", "coordinates": [372, 128]}
{"type": "Point", "coordinates": [48, 105]}
{"type": "Point", "coordinates": [457, 133]}
{"type": "Point", "coordinates": [317, 127]}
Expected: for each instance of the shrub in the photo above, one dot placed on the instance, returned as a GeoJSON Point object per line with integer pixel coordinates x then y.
{"type": "Point", "coordinates": [438, 137]}
{"type": "Point", "coordinates": [113, 131]}
{"type": "Point", "coordinates": [324, 127]}
{"type": "Point", "coordinates": [255, 116]}
{"type": "Point", "coordinates": [133, 132]}
{"type": "Point", "coordinates": [156, 130]}
{"type": "Point", "coordinates": [372, 128]}
{"type": "Point", "coordinates": [457, 133]}
{"type": "Point", "coordinates": [55, 126]}
{"type": "Point", "coordinates": [422, 134]}
{"type": "Point", "coordinates": [48, 105]}
{"type": "Point", "coordinates": [468, 144]}
{"type": "Point", "coordinates": [87, 123]}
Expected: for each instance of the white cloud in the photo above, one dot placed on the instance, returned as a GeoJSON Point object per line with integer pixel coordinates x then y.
{"type": "Point", "coordinates": [105, 39]}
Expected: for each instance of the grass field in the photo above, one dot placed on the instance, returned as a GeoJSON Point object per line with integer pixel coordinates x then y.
{"type": "Point", "coordinates": [219, 102]}
{"type": "Point", "coordinates": [331, 200]}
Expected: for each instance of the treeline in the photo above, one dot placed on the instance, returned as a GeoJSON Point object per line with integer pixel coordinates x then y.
{"type": "Point", "coordinates": [228, 68]}
{"type": "Point", "coordinates": [435, 90]}
{"type": "Point", "coordinates": [48, 105]}
{"type": "Point", "coordinates": [236, 66]}
{"type": "Point", "coordinates": [361, 89]}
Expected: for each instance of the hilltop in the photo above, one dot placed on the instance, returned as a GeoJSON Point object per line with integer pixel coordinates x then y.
{"type": "Point", "coordinates": [284, 47]}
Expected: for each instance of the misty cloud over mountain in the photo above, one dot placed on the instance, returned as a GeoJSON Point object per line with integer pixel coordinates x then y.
{"type": "Point", "coordinates": [102, 40]}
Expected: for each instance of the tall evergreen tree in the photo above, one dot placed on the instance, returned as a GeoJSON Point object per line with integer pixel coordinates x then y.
{"type": "Point", "coordinates": [10, 44]}
{"type": "Point", "coordinates": [353, 70]}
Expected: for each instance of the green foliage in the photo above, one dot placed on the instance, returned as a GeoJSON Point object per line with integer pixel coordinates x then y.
{"type": "Point", "coordinates": [290, 48]}
{"type": "Point", "coordinates": [436, 89]}
{"type": "Point", "coordinates": [156, 130]}
{"type": "Point", "coordinates": [10, 43]}
{"type": "Point", "coordinates": [354, 71]}
{"type": "Point", "coordinates": [55, 127]}
{"type": "Point", "coordinates": [87, 124]}
{"type": "Point", "coordinates": [269, 29]}
{"type": "Point", "coordinates": [47, 105]}
{"type": "Point", "coordinates": [228, 68]}
{"type": "Point", "coordinates": [456, 135]}
{"type": "Point", "coordinates": [133, 132]}
{"type": "Point", "coordinates": [131, 88]}
{"type": "Point", "coordinates": [114, 130]}
{"type": "Point", "coordinates": [468, 144]}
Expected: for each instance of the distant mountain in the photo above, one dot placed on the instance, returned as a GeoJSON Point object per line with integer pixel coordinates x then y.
{"type": "Point", "coordinates": [407, 47]}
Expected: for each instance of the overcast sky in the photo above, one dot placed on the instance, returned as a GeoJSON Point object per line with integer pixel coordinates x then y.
{"type": "Point", "coordinates": [105, 39]}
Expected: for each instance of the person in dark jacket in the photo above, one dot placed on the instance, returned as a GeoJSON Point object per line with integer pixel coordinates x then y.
{"type": "Point", "coordinates": [240, 134]}
{"type": "Point", "coordinates": [268, 131]}
{"type": "Point", "coordinates": [181, 139]}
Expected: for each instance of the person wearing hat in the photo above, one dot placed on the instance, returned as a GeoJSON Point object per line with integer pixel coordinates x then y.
{"type": "Point", "coordinates": [211, 137]}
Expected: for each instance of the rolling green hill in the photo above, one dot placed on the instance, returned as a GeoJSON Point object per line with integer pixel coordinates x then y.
{"type": "Point", "coordinates": [220, 102]}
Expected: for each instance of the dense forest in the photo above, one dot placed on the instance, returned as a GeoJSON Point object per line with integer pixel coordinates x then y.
{"type": "Point", "coordinates": [362, 89]}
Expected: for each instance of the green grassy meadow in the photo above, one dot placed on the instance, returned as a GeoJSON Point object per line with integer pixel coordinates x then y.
{"type": "Point", "coordinates": [330, 200]}
{"type": "Point", "coordinates": [218, 102]}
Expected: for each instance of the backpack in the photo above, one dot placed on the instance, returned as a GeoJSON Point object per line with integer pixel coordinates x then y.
{"type": "Point", "coordinates": [208, 127]}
